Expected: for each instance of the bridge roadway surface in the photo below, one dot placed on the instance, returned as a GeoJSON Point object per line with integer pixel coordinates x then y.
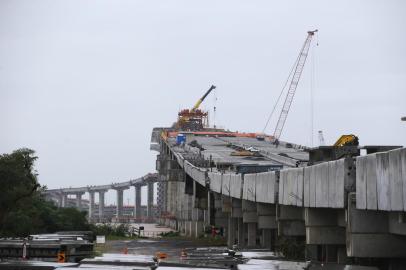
{"type": "Point", "coordinates": [342, 209]}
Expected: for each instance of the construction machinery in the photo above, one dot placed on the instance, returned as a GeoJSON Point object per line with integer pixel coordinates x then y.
{"type": "Point", "coordinates": [347, 140]}
{"type": "Point", "coordinates": [345, 146]}
{"type": "Point", "coordinates": [194, 119]}
{"type": "Point", "coordinates": [293, 79]}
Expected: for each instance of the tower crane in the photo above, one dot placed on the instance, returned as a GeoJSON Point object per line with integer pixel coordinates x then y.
{"type": "Point", "coordinates": [298, 68]}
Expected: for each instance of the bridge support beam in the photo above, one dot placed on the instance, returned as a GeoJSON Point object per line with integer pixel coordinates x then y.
{"type": "Point", "coordinates": [101, 205]}
{"type": "Point", "coordinates": [232, 231]}
{"type": "Point", "coordinates": [79, 200]}
{"type": "Point", "coordinates": [64, 200]}
{"type": "Point", "coordinates": [150, 200]}
{"type": "Point", "coordinates": [137, 206]}
{"type": "Point", "coordinates": [119, 207]}
{"type": "Point", "coordinates": [161, 198]}
{"type": "Point", "coordinates": [250, 216]}
{"type": "Point", "coordinates": [91, 205]}
{"type": "Point", "coordinates": [267, 224]}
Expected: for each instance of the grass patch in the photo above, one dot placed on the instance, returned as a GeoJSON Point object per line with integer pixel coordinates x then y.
{"type": "Point", "coordinates": [119, 237]}
{"type": "Point", "coordinates": [169, 234]}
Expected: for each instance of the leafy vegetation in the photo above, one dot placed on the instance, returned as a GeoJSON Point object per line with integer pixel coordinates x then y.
{"type": "Point", "coordinates": [169, 234]}
{"type": "Point", "coordinates": [23, 210]}
{"type": "Point", "coordinates": [292, 248]}
{"type": "Point", "coordinates": [121, 230]}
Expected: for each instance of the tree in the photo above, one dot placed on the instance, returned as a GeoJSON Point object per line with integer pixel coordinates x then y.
{"type": "Point", "coordinates": [23, 209]}
{"type": "Point", "coordinates": [18, 181]}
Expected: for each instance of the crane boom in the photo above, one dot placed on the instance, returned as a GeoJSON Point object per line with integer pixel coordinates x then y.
{"type": "Point", "coordinates": [202, 98]}
{"type": "Point", "coordinates": [293, 84]}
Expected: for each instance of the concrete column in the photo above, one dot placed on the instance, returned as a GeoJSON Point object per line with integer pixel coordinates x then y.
{"type": "Point", "coordinates": [119, 209]}
{"type": "Point", "coordinates": [91, 204]}
{"type": "Point", "coordinates": [101, 205]}
{"type": "Point", "coordinates": [59, 200]}
{"type": "Point", "coordinates": [209, 215]}
{"type": "Point", "coordinates": [232, 228]}
{"type": "Point", "coordinates": [161, 201]}
{"type": "Point", "coordinates": [266, 238]}
{"type": "Point", "coordinates": [252, 234]}
{"type": "Point", "coordinates": [64, 200]}
{"type": "Point", "coordinates": [241, 233]}
{"type": "Point", "coordinates": [150, 202]}
{"type": "Point", "coordinates": [79, 200]}
{"type": "Point", "coordinates": [250, 217]}
{"type": "Point", "coordinates": [137, 206]}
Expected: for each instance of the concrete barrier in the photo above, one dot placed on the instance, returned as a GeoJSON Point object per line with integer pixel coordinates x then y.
{"type": "Point", "coordinates": [249, 190]}
{"type": "Point", "coordinates": [381, 181]}
{"type": "Point", "coordinates": [265, 187]}
{"type": "Point", "coordinates": [236, 186]}
{"type": "Point", "coordinates": [215, 181]}
{"type": "Point", "coordinates": [225, 184]}
{"type": "Point", "coordinates": [324, 185]}
{"type": "Point", "coordinates": [291, 187]}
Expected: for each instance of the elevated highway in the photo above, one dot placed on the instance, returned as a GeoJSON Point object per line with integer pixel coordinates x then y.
{"type": "Point", "coordinates": [60, 196]}
{"type": "Point", "coordinates": [263, 195]}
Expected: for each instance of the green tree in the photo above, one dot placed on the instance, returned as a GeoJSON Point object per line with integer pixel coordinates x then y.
{"type": "Point", "coordinates": [18, 181]}
{"type": "Point", "coordinates": [23, 210]}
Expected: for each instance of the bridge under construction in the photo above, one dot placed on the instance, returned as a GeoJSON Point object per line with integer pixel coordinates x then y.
{"type": "Point", "coordinates": [343, 203]}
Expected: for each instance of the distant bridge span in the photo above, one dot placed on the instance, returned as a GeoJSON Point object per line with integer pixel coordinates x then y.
{"type": "Point", "coordinates": [60, 196]}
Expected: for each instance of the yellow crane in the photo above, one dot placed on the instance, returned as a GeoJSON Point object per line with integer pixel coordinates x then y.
{"type": "Point", "coordinates": [197, 105]}
{"type": "Point", "coordinates": [194, 119]}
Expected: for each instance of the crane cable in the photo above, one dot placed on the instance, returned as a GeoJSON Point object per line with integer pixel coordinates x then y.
{"type": "Point", "coordinates": [280, 95]}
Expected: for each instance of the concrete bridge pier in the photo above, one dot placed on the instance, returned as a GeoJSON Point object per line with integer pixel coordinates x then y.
{"type": "Point", "coordinates": [188, 209]}
{"type": "Point", "coordinates": [101, 205]}
{"type": "Point", "coordinates": [290, 221]}
{"type": "Point", "coordinates": [64, 200]}
{"type": "Point", "coordinates": [236, 216]}
{"type": "Point", "coordinates": [150, 201]}
{"type": "Point", "coordinates": [291, 226]}
{"type": "Point", "coordinates": [137, 206]}
{"type": "Point", "coordinates": [161, 199]}
{"type": "Point", "coordinates": [232, 231]}
{"type": "Point", "coordinates": [119, 207]}
{"type": "Point", "coordinates": [250, 217]}
{"type": "Point", "coordinates": [325, 234]}
{"type": "Point", "coordinates": [220, 218]}
{"type": "Point", "coordinates": [79, 199]}
{"type": "Point", "coordinates": [199, 206]}
{"type": "Point", "coordinates": [91, 205]}
{"type": "Point", "coordinates": [267, 224]}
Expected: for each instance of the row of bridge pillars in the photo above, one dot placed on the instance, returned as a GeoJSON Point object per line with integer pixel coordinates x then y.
{"type": "Point", "coordinates": [63, 202]}
{"type": "Point", "coordinates": [196, 211]}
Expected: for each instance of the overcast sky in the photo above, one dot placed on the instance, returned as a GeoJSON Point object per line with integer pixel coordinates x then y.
{"type": "Point", "coordinates": [84, 82]}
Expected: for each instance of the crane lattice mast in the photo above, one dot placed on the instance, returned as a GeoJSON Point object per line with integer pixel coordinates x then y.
{"type": "Point", "coordinates": [293, 85]}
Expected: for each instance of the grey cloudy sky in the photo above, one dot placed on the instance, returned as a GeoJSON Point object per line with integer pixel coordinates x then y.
{"type": "Point", "coordinates": [84, 82]}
